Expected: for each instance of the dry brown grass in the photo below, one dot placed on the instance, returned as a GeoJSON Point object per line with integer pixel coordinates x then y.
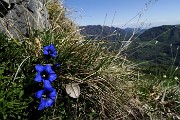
{"type": "Point", "coordinates": [60, 23]}
{"type": "Point", "coordinates": [106, 80]}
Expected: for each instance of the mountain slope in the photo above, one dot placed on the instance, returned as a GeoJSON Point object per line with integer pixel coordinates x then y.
{"type": "Point", "coordinates": [158, 46]}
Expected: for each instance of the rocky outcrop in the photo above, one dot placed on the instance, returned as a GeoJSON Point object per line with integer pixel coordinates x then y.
{"type": "Point", "coordinates": [19, 18]}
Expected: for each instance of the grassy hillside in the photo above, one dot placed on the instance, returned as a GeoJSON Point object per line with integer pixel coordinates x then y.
{"type": "Point", "coordinates": [159, 47]}
{"type": "Point", "coordinates": [156, 53]}
{"type": "Point", "coordinates": [57, 74]}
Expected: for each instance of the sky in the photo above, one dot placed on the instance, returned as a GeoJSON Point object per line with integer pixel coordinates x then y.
{"type": "Point", "coordinates": [124, 13]}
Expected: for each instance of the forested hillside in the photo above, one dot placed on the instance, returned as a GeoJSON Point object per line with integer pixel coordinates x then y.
{"type": "Point", "coordinates": [157, 47]}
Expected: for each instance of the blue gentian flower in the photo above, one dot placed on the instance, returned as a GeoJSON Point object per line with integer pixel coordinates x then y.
{"type": "Point", "coordinates": [50, 51]}
{"type": "Point", "coordinates": [47, 97]}
{"type": "Point", "coordinates": [45, 74]}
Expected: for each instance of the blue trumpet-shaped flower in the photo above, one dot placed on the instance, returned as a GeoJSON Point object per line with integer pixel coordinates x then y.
{"type": "Point", "coordinates": [50, 51]}
{"type": "Point", "coordinates": [47, 97]}
{"type": "Point", "coordinates": [45, 74]}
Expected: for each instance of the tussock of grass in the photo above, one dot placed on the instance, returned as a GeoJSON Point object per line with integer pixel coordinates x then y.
{"type": "Point", "coordinates": [60, 23]}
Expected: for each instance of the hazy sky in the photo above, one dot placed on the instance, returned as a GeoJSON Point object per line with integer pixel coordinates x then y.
{"type": "Point", "coordinates": [93, 12]}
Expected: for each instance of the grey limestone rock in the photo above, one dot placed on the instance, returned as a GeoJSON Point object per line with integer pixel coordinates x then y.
{"type": "Point", "coordinates": [19, 17]}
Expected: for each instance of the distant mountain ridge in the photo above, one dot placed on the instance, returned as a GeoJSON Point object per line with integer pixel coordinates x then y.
{"type": "Point", "coordinates": [130, 30]}
{"type": "Point", "coordinates": [109, 33]}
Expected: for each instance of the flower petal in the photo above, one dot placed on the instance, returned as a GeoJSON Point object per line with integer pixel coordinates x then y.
{"type": "Point", "coordinates": [46, 52]}
{"type": "Point", "coordinates": [49, 102]}
{"type": "Point", "coordinates": [39, 93]}
{"type": "Point", "coordinates": [53, 94]}
{"type": "Point", "coordinates": [39, 68]}
{"type": "Point", "coordinates": [46, 48]}
{"type": "Point", "coordinates": [55, 52]}
{"type": "Point", "coordinates": [51, 47]}
{"type": "Point", "coordinates": [52, 77]}
{"type": "Point", "coordinates": [42, 104]}
{"type": "Point", "coordinates": [49, 69]}
{"type": "Point", "coordinates": [38, 77]}
{"type": "Point", "coordinates": [47, 85]}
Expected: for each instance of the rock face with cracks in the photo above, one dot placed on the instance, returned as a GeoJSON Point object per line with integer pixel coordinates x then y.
{"type": "Point", "coordinates": [19, 18]}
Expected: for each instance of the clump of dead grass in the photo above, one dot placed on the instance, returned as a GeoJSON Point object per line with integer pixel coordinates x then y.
{"type": "Point", "coordinates": [106, 85]}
